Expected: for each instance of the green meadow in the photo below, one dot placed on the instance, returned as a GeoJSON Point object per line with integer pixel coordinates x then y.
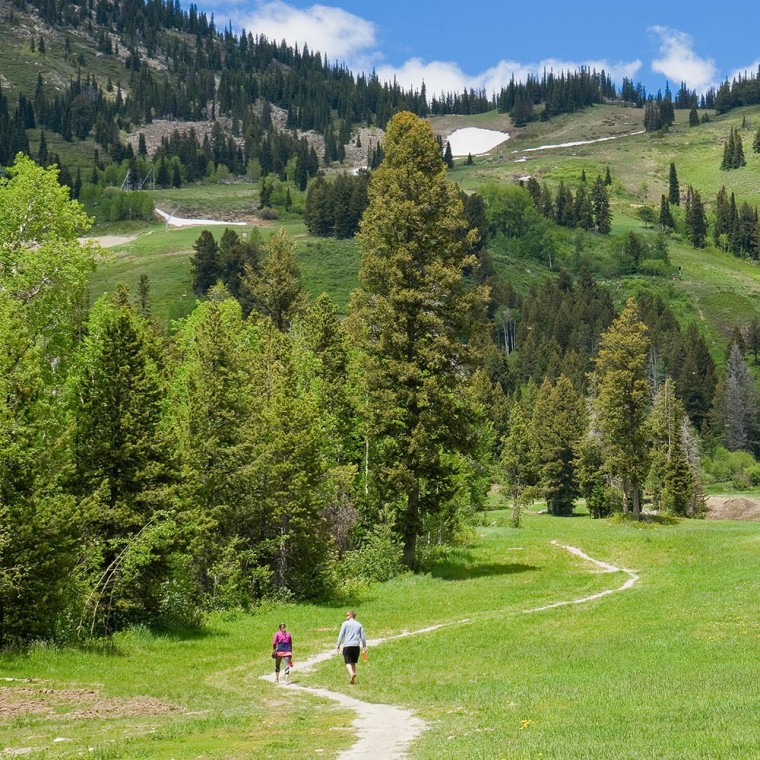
{"type": "Point", "coordinates": [669, 668]}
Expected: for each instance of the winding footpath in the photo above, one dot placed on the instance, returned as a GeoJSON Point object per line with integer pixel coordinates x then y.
{"type": "Point", "coordinates": [385, 731]}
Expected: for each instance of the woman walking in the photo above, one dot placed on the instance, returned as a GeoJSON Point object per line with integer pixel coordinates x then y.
{"type": "Point", "coordinates": [282, 649]}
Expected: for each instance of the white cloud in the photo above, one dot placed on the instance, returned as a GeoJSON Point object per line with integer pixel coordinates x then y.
{"type": "Point", "coordinates": [679, 63]}
{"type": "Point", "coordinates": [337, 34]}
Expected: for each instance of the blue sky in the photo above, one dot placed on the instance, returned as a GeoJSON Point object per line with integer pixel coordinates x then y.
{"type": "Point", "coordinates": [478, 43]}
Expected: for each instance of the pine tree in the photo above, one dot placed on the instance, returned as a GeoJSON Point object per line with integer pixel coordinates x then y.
{"type": "Point", "coordinates": [40, 525]}
{"type": "Point", "coordinates": [674, 191]}
{"type": "Point", "coordinates": [205, 263]}
{"type": "Point", "coordinates": [276, 292]}
{"type": "Point", "coordinates": [722, 227]}
{"type": "Point", "coordinates": [673, 483]}
{"type": "Point", "coordinates": [696, 377]}
{"type": "Point", "coordinates": [415, 312]}
{"type": "Point", "coordinates": [557, 424]}
{"type": "Point", "coordinates": [737, 159]}
{"type": "Point", "coordinates": [666, 217]}
{"type": "Point", "coordinates": [289, 476]}
{"type": "Point", "coordinates": [42, 152]}
{"type": "Point", "coordinates": [121, 460]}
{"type": "Point", "coordinates": [693, 118]}
{"type": "Point", "coordinates": [696, 220]}
{"type": "Point", "coordinates": [518, 470]}
{"type": "Point", "coordinates": [448, 157]}
{"type": "Point", "coordinates": [601, 203]}
{"type": "Point", "coordinates": [621, 403]}
{"type": "Point", "coordinates": [212, 407]}
{"type": "Point", "coordinates": [734, 416]}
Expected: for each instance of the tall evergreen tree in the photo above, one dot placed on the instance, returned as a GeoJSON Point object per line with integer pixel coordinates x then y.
{"type": "Point", "coordinates": [734, 417]}
{"type": "Point", "coordinates": [666, 217]}
{"type": "Point", "coordinates": [674, 483]}
{"type": "Point", "coordinates": [674, 190]}
{"type": "Point", "coordinates": [601, 203]}
{"type": "Point", "coordinates": [121, 458]}
{"type": "Point", "coordinates": [448, 156]}
{"type": "Point", "coordinates": [205, 263]}
{"type": "Point", "coordinates": [557, 424]}
{"type": "Point", "coordinates": [621, 403]}
{"type": "Point", "coordinates": [518, 469]}
{"type": "Point", "coordinates": [276, 292]}
{"type": "Point", "coordinates": [416, 312]}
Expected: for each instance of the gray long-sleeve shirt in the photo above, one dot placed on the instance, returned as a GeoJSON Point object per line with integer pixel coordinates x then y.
{"type": "Point", "coordinates": [351, 634]}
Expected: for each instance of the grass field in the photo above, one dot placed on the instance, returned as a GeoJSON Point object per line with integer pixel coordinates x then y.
{"type": "Point", "coordinates": [667, 669]}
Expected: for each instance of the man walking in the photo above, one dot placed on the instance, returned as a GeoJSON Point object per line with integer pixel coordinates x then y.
{"type": "Point", "coordinates": [352, 637]}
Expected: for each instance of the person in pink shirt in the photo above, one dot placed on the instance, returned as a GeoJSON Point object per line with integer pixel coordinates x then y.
{"type": "Point", "coordinates": [282, 649]}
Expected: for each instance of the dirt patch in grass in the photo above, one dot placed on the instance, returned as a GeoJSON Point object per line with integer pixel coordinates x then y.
{"type": "Point", "coordinates": [733, 508]}
{"type": "Point", "coordinates": [16, 702]}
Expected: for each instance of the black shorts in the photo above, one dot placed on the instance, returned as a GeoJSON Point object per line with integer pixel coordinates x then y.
{"type": "Point", "coordinates": [351, 655]}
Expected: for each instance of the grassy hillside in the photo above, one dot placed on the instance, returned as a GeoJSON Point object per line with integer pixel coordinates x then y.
{"type": "Point", "coordinates": [667, 668]}
{"type": "Point", "coordinates": [716, 288]}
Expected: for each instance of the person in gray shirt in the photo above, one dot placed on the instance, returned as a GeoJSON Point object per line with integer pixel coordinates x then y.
{"type": "Point", "coordinates": [352, 637]}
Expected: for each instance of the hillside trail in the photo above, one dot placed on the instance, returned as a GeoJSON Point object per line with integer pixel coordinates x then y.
{"type": "Point", "coordinates": [384, 732]}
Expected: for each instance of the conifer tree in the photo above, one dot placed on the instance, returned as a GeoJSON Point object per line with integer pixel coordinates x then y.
{"type": "Point", "coordinates": [518, 470]}
{"type": "Point", "coordinates": [697, 377]}
{"type": "Point", "coordinates": [723, 226]}
{"type": "Point", "coordinates": [622, 398]}
{"type": "Point", "coordinates": [415, 312]}
{"type": "Point", "coordinates": [212, 406]}
{"type": "Point", "coordinates": [448, 157]}
{"type": "Point", "coordinates": [205, 263]}
{"type": "Point", "coordinates": [674, 191]}
{"type": "Point", "coordinates": [674, 484]}
{"type": "Point", "coordinates": [738, 159]}
{"type": "Point", "coordinates": [601, 203]}
{"type": "Point", "coordinates": [289, 477]}
{"type": "Point", "coordinates": [121, 460]}
{"type": "Point", "coordinates": [666, 217]}
{"type": "Point", "coordinates": [696, 220]}
{"type": "Point", "coordinates": [734, 416]}
{"type": "Point", "coordinates": [40, 525]}
{"type": "Point", "coordinates": [276, 291]}
{"type": "Point", "coordinates": [557, 424]}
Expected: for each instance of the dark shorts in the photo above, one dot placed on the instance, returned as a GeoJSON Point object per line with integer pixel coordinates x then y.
{"type": "Point", "coordinates": [351, 655]}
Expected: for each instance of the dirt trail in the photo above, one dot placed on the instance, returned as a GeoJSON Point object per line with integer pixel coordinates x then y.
{"type": "Point", "coordinates": [385, 731]}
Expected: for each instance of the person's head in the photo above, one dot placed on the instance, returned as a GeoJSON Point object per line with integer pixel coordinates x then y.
{"type": "Point", "coordinates": [350, 614]}
{"type": "Point", "coordinates": [283, 626]}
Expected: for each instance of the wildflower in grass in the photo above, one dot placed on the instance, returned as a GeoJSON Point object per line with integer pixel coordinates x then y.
{"type": "Point", "coordinates": [525, 724]}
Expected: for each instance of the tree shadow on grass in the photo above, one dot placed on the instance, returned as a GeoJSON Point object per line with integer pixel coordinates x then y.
{"type": "Point", "coordinates": [466, 569]}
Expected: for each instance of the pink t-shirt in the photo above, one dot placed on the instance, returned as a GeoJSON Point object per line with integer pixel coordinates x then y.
{"type": "Point", "coordinates": [282, 642]}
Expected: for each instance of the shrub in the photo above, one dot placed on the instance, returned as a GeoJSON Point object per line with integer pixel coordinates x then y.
{"type": "Point", "coordinates": [739, 468]}
{"type": "Point", "coordinates": [378, 559]}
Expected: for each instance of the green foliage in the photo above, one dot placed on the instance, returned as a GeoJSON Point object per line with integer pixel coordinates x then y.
{"type": "Point", "coordinates": [379, 558]}
{"type": "Point", "coordinates": [276, 291]}
{"type": "Point", "coordinates": [622, 397]}
{"type": "Point", "coordinates": [739, 468]}
{"type": "Point", "coordinates": [557, 424]}
{"type": "Point", "coordinates": [110, 204]}
{"type": "Point", "coordinates": [413, 316]}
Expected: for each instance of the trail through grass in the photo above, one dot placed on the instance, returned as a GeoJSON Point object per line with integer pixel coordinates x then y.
{"type": "Point", "coordinates": [670, 668]}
